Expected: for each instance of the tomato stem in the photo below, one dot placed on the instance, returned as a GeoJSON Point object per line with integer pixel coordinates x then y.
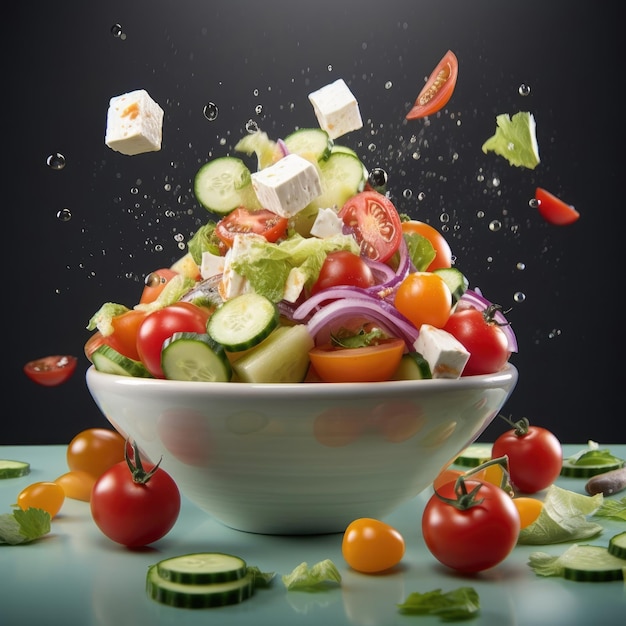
{"type": "Point", "coordinates": [139, 474]}
{"type": "Point", "coordinates": [489, 315]}
{"type": "Point", "coordinates": [521, 426]}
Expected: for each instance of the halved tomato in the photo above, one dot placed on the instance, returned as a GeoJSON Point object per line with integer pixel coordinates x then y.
{"type": "Point", "coordinates": [51, 371]}
{"type": "Point", "coordinates": [438, 88]}
{"type": "Point", "coordinates": [443, 253]}
{"type": "Point", "coordinates": [372, 363]}
{"type": "Point", "coordinates": [553, 209]}
{"type": "Point", "coordinates": [242, 221]}
{"type": "Point", "coordinates": [124, 335]}
{"type": "Point", "coordinates": [376, 224]}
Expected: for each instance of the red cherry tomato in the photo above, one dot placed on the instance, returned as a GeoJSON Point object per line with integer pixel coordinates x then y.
{"type": "Point", "coordinates": [482, 338]}
{"type": "Point", "coordinates": [472, 534]}
{"type": "Point", "coordinates": [135, 507]}
{"type": "Point", "coordinates": [242, 221]}
{"type": "Point", "coordinates": [554, 210]}
{"type": "Point", "coordinates": [376, 224]}
{"type": "Point", "coordinates": [155, 283]}
{"type": "Point", "coordinates": [123, 339]}
{"type": "Point", "coordinates": [51, 371]}
{"type": "Point", "coordinates": [161, 324]}
{"type": "Point", "coordinates": [371, 546]}
{"type": "Point", "coordinates": [343, 268]}
{"type": "Point", "coordinates": [443, 253]}
{"type": "Point", "coordinates": [438, 88]}
{"type": "Point", "coordinates": [535, 456]}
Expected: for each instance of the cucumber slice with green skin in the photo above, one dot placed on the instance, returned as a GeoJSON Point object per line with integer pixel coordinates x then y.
{"type": "Point", "coordinates": [341, 176]}
{"type": "Point", "coordinates": [282, 358]}
{"type": "Point", "coordinates": [191, 596]}
{"type": "Point", "coordinates": [202, 568]}
{"type": "Point", "coordinates": [13, 469]}
{"type": "Point", "coordinates": [617, 545]}
{"type": "Point", "coordinates": [194, 357]}
{"type": "Point", "coordinates": [572, 470]}
{"type": "Point", "coordinates": [591, 564]}
{"type": "Point", "coordinates": [313, 144]}
{"type": "Point", "coordinates": [413, 366]}
{"type": "Point", "coordinates": [109, 361]}
{"type": "Point", "coordinates": [243, 321]}
{"type": "Point", "coordinates": [223, 184]}
{"type": "Point", "coordinates": [259, 143]}
{"type": "Point", "coordinates": [456, 281]}
{"type": "Point", "coordinates": [474, 455]}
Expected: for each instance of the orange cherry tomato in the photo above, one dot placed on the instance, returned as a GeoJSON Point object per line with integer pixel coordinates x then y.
{"type": "Point", "coordinates": [95, 450]}
{"type": "Point", "coordinates": [123, 338]}
{"type": "Point", "coordinates": [155, 283]}
{"type": "Point", "coordinates": [77, 484]}
{"type": "Point", "coordinates": [443, 253]}
{"type": "Point", "coordinates": [438, 88]}
{"type": "Point", "coordinates": [424, 298]}
{"type": "Point", "coordinates": [371, 546]}
{"type": "Point", "coordinates": [42, 495]}
{"type": "Point", "coordinates": [528, 509]}
{"type": "Point", "coordinates": [357, 365]}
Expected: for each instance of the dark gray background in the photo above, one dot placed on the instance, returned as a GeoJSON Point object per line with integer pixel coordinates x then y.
{"type": "Point", "coordinates": [65, 63]}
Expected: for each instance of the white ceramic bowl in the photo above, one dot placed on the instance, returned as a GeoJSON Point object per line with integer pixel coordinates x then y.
{"type": "Point", "coordinates": [301, 458]}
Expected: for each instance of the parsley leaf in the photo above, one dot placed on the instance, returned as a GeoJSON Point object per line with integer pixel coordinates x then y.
{"type": "Point", "coordinates": [24, 526]}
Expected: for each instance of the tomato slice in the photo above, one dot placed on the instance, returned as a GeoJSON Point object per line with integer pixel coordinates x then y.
{"type": "Point", "coordinates": [242, 221]}
{"type": "Point", "coordinates": [438, 88]}
{"type": "Point", "coordinates": [376, 224]}
{"type": "Point", "coordinates": [51, 371]}
{"type": "Point", "coordinates": [357, 365]}
{"type": "Point", "coordinates": [554, 210]}
{"type": "Point", "coordinates": [155, 283]}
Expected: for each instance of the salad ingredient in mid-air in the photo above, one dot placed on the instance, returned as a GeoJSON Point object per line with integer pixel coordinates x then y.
{"type": "Point", "coordinates": [553, 209]}
{"type": "Point", "coordinates": [336, 109]}
{"type": "Point", "coordinates": [515, 139]}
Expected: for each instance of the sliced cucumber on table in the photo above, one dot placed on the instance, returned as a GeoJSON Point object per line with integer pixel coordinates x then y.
{"type": "Point", "coordinates": [202, 568]}
{"type": "Point", "coordinates": [110, 361]}
{"type": "Point", "coordinates": [13, 469]}
{"type": "Point", "coordinates": [571, 469]}
{"type": "Point", "coordinates": [592, 564]}
{"type": "Point", "coordinates": [194, 357]}
{"type": "Point", "coordinates": [617, 545]}
{"type": "Point", "coordinates": [474, 455]}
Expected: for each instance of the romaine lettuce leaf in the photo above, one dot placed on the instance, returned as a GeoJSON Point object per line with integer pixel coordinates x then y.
{"type": "Point", "coordinates": [515, 139]}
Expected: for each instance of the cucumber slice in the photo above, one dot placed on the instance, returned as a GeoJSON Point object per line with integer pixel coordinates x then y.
{"type": "Point", "coordinates": [13, 469]}
{"type": "Point", "coordinates": [282, 358]}
{"type": "Point", "coordinates": [110, 361]}
{"type": "Point", "coordinates": [313, 144]}
{"type": "Point", "coordinates": [474, 455]}
{"type": "Point", "coordinates": [456, 281]}
{"type": "Point", "coordinates": [339, 148]}
{"type": "Point", "coordinates": [341, 177]}
{"type": "Point", "coordinates": [617, 545]}
{"type": "Point", "coordinates": [413, 366]}
{"type": "Point", "coordinates": [194, 356]}
{"type": "Point", "coordinates": [192, 596]}
{"type": "Point", "coordinates": [259, 143]}
{"type": "Point", "coordinates": [243, 321]}
{"type": "Point", "coordinates": [202, 568]}
{"type": "Point", "coordinates": [591, 564]}
{"type": "Point", "coordinates": [570, 469]}
{"type": "Point", "coordinates": [224, 184]}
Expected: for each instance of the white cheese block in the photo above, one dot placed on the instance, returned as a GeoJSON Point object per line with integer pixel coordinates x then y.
{"type": "Point", "coordinates": [134, 123]}
{"type": "Point", "coordinates": [211, 265]}
{"type": "Point", "coordinates": [336, 109]}
{"type": "Point", "coordinates": [286, 187]}
{"type": "Point", "coordinates": [294, 284]}
{"type": "Point", "coordinates": [327, 224]}
{"type": "Point", "coordinates": [445, 354]}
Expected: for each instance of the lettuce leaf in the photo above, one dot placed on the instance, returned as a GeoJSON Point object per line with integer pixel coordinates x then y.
{"type": "Point", "coordinates": [24, 526]}
{"type": "Point", "coordinates": [515, 139]}
{"type": "Point", "coordinates": [458, 604]}
{"type": "Point", "coordinates": [305, 577]}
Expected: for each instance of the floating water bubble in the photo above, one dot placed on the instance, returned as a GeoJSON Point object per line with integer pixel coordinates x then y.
{"type": "Point", "coordinates": [495, 225]}
{"type": "Point", "coordinates": [258, 109]}
{"type": "Point", "coordinates": [524, 89]}
{"type": "Point", "coordinates": [388, 85]}
{"type": "Point", "coordinates": [519, 296]}
{"type": "Point", "coordinates": [520, 265]}
{"type": "Point", "coordinates": [421, 195]}
{"type": "Point", "coordinates": [407, 193]}
{"type": "Point", "coordinates": [210, 111]}
{"type": "Point", "coordinates": [116, 30]}
{"type": "Point", "coordinates": [371, 147]}
{"type": "Point", "coordinates": [56, 161]}
{"type": "Point", "coordinates": [378, 179]}
{"type": "Point", "coordinates": [134, 191]}
{"type": "Point", "coordinates": [252, 127]}
{"type": "Point", "coordinates": [329, 68]}
{"type": "Point", "coordinates": [480, 214]}
{"type": "Point", "coordinates": [158, 247]}
{"type": "Point", "coordinates": [167, 187]}
{"type": "Point", "coordinates": [416, 155]}
{"type": "Point", "coordinates": [555, 332]}
{"type": "Point", "coordinates": [444, 218]}
{"type": "Point", "coordinates": [179, 237]}
{"type": "Point", "coordinates": [65, 215]}
{"type": "Point", "coordinates": [495, 181]}
{"type": "Point", "coordinates": [533, 203]}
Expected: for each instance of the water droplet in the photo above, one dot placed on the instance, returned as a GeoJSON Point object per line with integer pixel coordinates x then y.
{"type": "Point", "coordinates": [524, 89]}
{"type": "Point", "coordinates": [495, 181]}
{"type": "Point", "coordinates": [330, 68]}
{"type": "Point", "coordinates": [520, 265]}
{"type": "Point", "coordinates": [56, 161]}
{"type": "Point", "coordinates": [371, 147]}
{"type": "Point", "coordinates": [480, 214]}
{"type": "Point", "coordinates": [416, 155]}
{"type": "Point", "coordinates": [134, 191]}
{"type": "Point", "coordinates": [158, 247]}
{"type": "Point", "coordinates": [495, 225]}
{"type": "Point", "coordinates": [444, 218]}
{"type": "Point", "coordinates": [179, 237]}
{"type": "Point", "coordinates": [533, 203]}
{"type": "Point", "coordinates": [519, 296]}
{"type": "Point", "coordinates": [407, 193]}
{"type": "Point", "coordinates": [167, 187]}
{"type": "Point", "coordinates": [421, 196]}
{"type": "Point", "coordinates": [252, 127]}
{"type": "Point", "coordinates": [65, 215]}
{"type": "Point", "coordinates": [210, 111]}
{"type": "Point", "coordinates": [258, 109]}
{"type": "Point", "coordinates": [388, 85]}
{"type": "Point", "coordinates": [555, 332]}
{"type": "Point", "coordinates": [378, 179]}
{"type": "Point", "coordinates": [116, 30]}
{"type": "Point", "coordinates": [256, 92]}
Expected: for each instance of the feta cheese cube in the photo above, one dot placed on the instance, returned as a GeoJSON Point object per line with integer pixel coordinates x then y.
{"type": "Point", "coordinates": [294, 284]}
{"type": "Point", "coordinates": [326, 224]}
{"type": "Point", "coordinates": [336, 109]}
{"type": "Point", "coordinates": [445, 354]}
{"type": "Point", "coordinates": [211, 265]}
{"type": "Point", "coordinates": [286, 187]}
{"type": "Point", "coordinates": [134, 123]}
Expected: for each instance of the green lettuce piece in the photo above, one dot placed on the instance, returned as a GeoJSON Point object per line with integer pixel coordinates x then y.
{"type": "Point", "coordinates": [305, 577]}
{"type": "Point", "coordinates": [594, 455]}
{"type": "Point", "coordinates": [261, 579]}
{"type": "Point", "coordinates": [101, 319]}
{"type": "Point", "coordinates": [563, 517]}
{"type": "Point", "coordinates": [24, 526]}
{"type": "Point", "coordinates": [204, 240]}
{"type": "Point", "coordinates": [420, 250]}
{"type": "Point", "coordinates": [515, 139]}
{"type": "Point", "coordinates": [613, 509]}
{"type": "Point", "coordinates": [174, 290]}
{"type": "Point", "coordinates": [458, 604]}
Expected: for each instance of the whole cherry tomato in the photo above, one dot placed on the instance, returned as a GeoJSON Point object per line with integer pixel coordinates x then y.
{"type": "Point", "coordinates": [42, 495]}
{"type": "Point", "coordinates": [371, 546]}
{"type": "Point", "coordinates": [424, 298]}
{"type": "Point", "coordinates": [94, 450]}
{"type": "Point", "coordinates": [343, 268]}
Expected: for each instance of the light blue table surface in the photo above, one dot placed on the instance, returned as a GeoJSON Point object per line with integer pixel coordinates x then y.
{"type": "Point", "coordinates": [75, 576]}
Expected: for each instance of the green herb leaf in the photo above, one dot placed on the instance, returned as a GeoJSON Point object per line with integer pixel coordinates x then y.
{"type": "Point", "coordinates": [261, 579]}
{"type": "Point", "coordinates": [420, 250]}
{"type": "Point", "coordinates": [204, 240]}
{"type": "Point", "coordinates": [458, 604]}
{"type": "Point", "coordinates": [515, 140]}
{"type": "Point", "coordinates": [345, 338]}
{"type": "Point", "coordinates": [305, 577]}
{"type": "Point", "coordinates": [613, 509]}
{"type": "Point", "coordinates": [24, 526]}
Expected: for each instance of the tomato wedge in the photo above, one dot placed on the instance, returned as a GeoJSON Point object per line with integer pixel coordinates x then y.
{"type": "Point", "coordinates": [438, 88]}
{"type": "Point", "coordinates": [51, 371]}
{"type": "Point", "coordinates": [242, 221]}
{"type": "Point", "coordinates": [376, 224]}
{"type": "Point", "coordinates": [155, 283]}
{"type": "Point", "coordinates": [553, 209]}
{"type": "Point", "coordinates": [373, 363]}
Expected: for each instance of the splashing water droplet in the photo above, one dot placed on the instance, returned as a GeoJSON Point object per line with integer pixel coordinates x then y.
{"type": "Point", "coordinates": [330, 68]}
{"type": "Point", "coordinates": [524, 89]}
{"type": "Point", "coordinates": [555, 332]}
{"type": "Point", "coordinates": [56, 161]}
{"type": "Point", "coordinates": [533, 203]}
{"type": "Point", "coordinates": [258, 109]}
{"type": "Point", "coordinates": [210, 111]}
{"type": "Point", "coordinates": [480, 214]}
{"type": "Point", "coordinates": [444, 218]}
{"type": "Point", "coordinates": [521, 266]}
{"type": "Point", "coordinates": [252, 127]}
{"type": "Point", "coordinates": [388, 85]}
{"type": "Point", "coordinates": [495, 225]}
{"type": "Point", "coordinates": [407, 193]}
{"type": "Point", "coordinates": [116, 30]}
{"type": "Point", "coordinates": [65, 215]}
{"type": "Point", "coordinates": [519, 296]}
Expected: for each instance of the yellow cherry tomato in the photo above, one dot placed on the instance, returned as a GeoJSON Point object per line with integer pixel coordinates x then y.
{"type": "Point", "coordinates": [42, 495]}
{"type": "Point", "coordinates": [77, 484]}
{"type": "Point", "coordinates": [424, 298]}
{"type": "Point", "coordinates": [371, 546]}
{"type": "Point", "coordinates": [95, 450]}
{"type": "Point", "coordinates": [528, 509]}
